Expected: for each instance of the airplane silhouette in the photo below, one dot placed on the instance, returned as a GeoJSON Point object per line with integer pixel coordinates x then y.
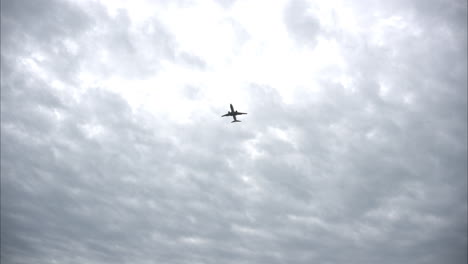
{"type": "Point", "coordinates": [233, 114]}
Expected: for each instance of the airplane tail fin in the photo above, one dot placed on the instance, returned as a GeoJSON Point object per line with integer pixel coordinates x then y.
{"type": "Point", "coordinates": [235, 121]}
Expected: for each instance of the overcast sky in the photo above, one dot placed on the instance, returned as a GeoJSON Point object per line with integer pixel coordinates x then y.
{"type": "Point", "coordinates": [354, 149]}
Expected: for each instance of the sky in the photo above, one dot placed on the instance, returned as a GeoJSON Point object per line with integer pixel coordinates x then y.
{"type": "Point", "coordinates": [354, 148]}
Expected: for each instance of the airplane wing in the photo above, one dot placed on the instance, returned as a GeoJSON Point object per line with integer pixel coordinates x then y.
{"type": "Point", "coordinates": [239, 113]}
{"type": "Point", "coordinates": [228, 114]}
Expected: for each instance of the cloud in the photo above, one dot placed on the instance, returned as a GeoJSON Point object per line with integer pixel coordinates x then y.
{"type": "Point", "coordinates": [367, 158]}
{"type": "Point", "coordinates": [301, 22]}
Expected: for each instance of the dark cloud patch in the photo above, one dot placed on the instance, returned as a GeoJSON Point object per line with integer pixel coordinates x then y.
{"type": "Point", "coordinates": [63, 39]}
{"type": "Point", "coordinates": [43, 20]}
{"type": "Point", "coordinates": [74, 196]}
{"type": "Point", "coordinates": [38, 32]}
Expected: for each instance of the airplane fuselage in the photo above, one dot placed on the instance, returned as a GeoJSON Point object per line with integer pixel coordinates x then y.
{"type": "Point", "coordinates": [234, 113]}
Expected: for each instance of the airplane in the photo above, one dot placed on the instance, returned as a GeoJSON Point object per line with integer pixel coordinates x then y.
{"type": "Point", "coordinates": [233, 114]}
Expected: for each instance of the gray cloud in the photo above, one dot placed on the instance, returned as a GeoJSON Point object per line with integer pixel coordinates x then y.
{"type": "Point", "coordinates": [361, 177]}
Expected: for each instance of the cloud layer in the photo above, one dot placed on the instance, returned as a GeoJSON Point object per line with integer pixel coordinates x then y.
{"type": "Point", "coordinates": [113, 149]}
